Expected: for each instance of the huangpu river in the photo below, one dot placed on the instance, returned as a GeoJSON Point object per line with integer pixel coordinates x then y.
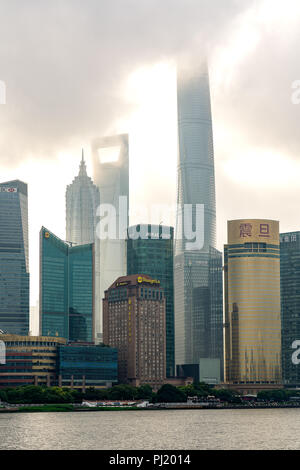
{"type": "Point", "coordinates": [156, 430]}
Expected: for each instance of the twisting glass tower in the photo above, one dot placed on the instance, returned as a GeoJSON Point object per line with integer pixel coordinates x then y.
{"type": "Point", "coordinates": [198, 272]}
{"type": "Point", "coordinates": [82, 201]}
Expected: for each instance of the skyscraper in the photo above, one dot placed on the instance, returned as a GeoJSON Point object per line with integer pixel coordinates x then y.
{"type": "Point", "coordinates": [66, 289]}
{"type": "Point", "coordinates": [152, 254]}
{"type": "Point", "coordinates": [134, 322]}
{"type": "Point", "coordinates": [198, 305]}
{"type": "Point", "coordinates": [252, 303]}
{"type": "Point", "coordinates": [82, 202]}
{"type": "Point", "coordinates": [14, 258]}
{"type": "Point", "coordinates": [111, 174]}
{"type": "Point", "coordinates": [290, 306]}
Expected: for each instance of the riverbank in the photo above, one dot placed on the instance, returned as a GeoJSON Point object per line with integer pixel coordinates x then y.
{"type": "Point", "coordinates": [65, 408]}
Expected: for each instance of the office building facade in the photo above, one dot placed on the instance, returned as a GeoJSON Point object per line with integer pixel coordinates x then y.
{"type": "Point", "coordinates": [14, 258]}
{"type": "Point", "coordinates": [152, 254]}
{"type": "Point", "coordinates": [82, 202]}
{"type": "Point", "coordinates": [87, 365]}
{"type": "Point", "coordinates": [66, 289]}
{"type": "Point", "coordinates": [290, 307]}
{"type": "Point", "coordinates": [134, 322]}
{"type": "Point", "coordinates": [29, 360]}
{"type": "Point", "coordinates": [252, 303]}
{"type": "Point", "coordinates": [198, 303]}
{"type": "Point", "coordinates": [111, 175]}
{"type": "Point", "coordinates": [51, 361]}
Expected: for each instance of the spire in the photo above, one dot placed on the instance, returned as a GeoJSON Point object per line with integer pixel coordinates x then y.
{"type": "Point", "coordinates": [82, 168]}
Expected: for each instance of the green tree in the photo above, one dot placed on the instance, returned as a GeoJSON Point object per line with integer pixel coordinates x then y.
{"type": "Point", "coordinates": [170, 394]}
{"type": "Point", "coordinates": [123, 392]}
{"type": "Point", "coordinates": [229, 396]}
{"type": "Point", "coordinates": [3, 395]}
{"type": "Point", "coordinates": [144, 392]}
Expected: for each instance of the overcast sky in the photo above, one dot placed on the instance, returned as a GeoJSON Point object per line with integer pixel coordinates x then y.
{"type": "Point", "coordinates": [76, 70]}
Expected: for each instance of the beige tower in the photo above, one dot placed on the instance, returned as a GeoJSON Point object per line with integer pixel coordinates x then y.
{"type": "Point", "coordinates": [252, 303]}
{"type": "Point", "coordinates": [134, 322]}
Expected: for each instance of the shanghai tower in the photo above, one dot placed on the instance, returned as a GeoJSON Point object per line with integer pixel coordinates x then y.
{"type": "Point", "coordinates": [197, 269]}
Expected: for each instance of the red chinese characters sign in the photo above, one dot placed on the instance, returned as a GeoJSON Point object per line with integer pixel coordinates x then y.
{"type": "Point", "coordinates": [245, 230]}
{"type": "Point", "coordinates": [264, 230]}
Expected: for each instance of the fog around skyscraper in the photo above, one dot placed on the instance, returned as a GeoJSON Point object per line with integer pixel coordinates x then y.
{"type": "Point", "coordinates": [111, 173]}
{"type": "Point", "coordinates": [198, 304]}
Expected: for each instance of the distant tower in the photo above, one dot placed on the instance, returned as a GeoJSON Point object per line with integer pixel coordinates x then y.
{"type": "Point", "coordinates": [198, 302]}
{"type": "Point", "coordinates": [14, 258]}
{"type": "Point", "coordinates": [111, 173]}
{"type": "Point", "coordinates": [82, 201]}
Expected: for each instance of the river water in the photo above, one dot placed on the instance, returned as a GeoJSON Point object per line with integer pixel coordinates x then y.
{"type": "Point", "coordinates": [156, 430]}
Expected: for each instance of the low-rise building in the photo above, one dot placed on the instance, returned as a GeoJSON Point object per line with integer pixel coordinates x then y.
{"type": "Point", "coordinates": [51, 361]}
{"type": "Point", "coordinates": [29, 360]}
{"type": "Point", "coordinates": [87, 365]}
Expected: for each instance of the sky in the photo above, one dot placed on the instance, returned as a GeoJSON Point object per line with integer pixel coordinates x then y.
{"type": "Point", "coordinates": [75, 71]}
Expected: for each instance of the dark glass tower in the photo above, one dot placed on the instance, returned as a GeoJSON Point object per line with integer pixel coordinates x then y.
{"type": "Point", "coordinates": [66, 289]}
{"type": "Point", "coordinates": [198, 302]}
{"type": "Point", "coordinates": [154, 257]}
{"type": "Point", "coordinates": [290, 304]}
{"type": "Point", "coordinates": [14, 259]}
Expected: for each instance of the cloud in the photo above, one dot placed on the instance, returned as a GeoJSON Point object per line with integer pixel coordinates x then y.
{"type": "Point", "coordinates": [64, 62]}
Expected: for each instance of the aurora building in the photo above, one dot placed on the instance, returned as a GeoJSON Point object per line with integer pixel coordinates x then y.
{"type": "Point", "coordinates": [198, 267]}
{"type": "Point", "coordinates": [252, 304]}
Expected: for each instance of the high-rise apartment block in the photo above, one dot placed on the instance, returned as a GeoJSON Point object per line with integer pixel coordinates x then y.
{"type": "Point", "coordinates": [152, 254]}
{"type": "Point", "coordinates": [66, 289]}
{"type": "Point", "coordinates": [134, 322]}
{"type": "Point", "coordinates": [14, 258]}
{"type": "Point", "coordinates": [252, 303]}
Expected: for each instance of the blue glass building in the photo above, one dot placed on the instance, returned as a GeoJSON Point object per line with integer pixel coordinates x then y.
{"type": "Point", "coordinates": [87, 365]}
{"type": "Point", "coordinates": [290, 305]}
{"type": "Point", "coordinates": [152, 254]}
{"type": "Point", "coordinates": [66, 289]}
{"type": "Point", "coordinates": [14, 258]}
